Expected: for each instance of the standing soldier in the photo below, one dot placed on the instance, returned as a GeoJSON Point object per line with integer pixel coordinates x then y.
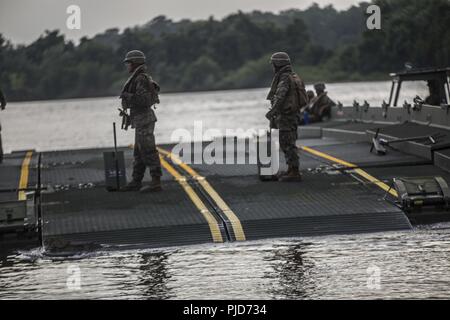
{"type": "Point", "coordinates": [2, 107]}
{"type": "Point", "coordinates": [287, 96]}
{"type": "Point", "coordinates": [139, 94]}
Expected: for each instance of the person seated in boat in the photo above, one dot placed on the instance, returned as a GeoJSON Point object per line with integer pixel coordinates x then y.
{"type": "Point", "coordinates": [319, 106]}
{"type": "Point", "coordinates": [311, 95]}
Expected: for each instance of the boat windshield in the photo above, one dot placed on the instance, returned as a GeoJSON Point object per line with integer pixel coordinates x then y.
{"type": "Point", "coordinates": [411, 89]}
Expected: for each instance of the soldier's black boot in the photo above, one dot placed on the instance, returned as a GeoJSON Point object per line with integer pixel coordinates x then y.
{"type": "Point", "coordinates": [154, 186]}
{"type": "Point", "coordinates": [284, 173]}
{"type": "Point", "coordinates": [293, 175]}
{"type": "Point", "coordinates": [132, 186]}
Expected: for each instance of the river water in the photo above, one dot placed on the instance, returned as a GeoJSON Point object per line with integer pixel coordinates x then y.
{"type": "Point", "coordinates": [84, 123]}
{"type": "Point", "coordinates": [411, 265]}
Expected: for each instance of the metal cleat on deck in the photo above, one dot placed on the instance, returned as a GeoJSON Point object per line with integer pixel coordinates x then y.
{"type": "Point", "coordinates": [407, 106]}
{"type": "Point", "coordinates": [356, 105]}
{"type": "Point", "coordinates": [366, 106]}
{"type": "Point", "coordinates": [377, 146]}
{"type": "Point", "coordinates": [384, 109]}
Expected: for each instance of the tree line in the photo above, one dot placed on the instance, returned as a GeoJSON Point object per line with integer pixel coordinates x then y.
{"type": "Point", "coordinates": [325, 45]}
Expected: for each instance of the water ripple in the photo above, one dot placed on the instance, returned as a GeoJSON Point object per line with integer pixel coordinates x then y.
{"type": "Point", "coordinates": [411, 265]}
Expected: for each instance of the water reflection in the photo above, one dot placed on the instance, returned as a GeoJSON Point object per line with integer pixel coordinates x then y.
{"type": "Point", "coordinates": [291, 272]}
{"type": "Point", "coordinates": [154, 276]}
{"type": "Point", "coordinates": [4, 259]}
{"type": "Point", "coordinates": [412, 265]}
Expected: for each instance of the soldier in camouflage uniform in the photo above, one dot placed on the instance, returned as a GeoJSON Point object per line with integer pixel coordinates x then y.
{"type": "Point", "coordinates": [287, 96]}
{"type": "Point", "coordinates": [321, 105]}
{"type": "Point", "coordinates": [2, 107]}
{"type": "Point", "coordinates": [139, 94]}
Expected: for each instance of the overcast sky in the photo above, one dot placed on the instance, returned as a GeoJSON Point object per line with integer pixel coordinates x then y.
{"type": "Point", "coordinates": [23, 21]}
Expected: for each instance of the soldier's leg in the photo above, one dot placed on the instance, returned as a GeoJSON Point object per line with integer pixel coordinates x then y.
{"type": "Point", "coordinates": [149, 153]}
{"type": "Point", "coordinates": [138, 167]}
{"type": "Point", "coordinates": [150, 157]}
{"type": "Point", "coordinates": [287, 145]}
{"type": "Point", "coordinates": [1, 147]}
{"type": "Point", "coordinates": [138, 162]}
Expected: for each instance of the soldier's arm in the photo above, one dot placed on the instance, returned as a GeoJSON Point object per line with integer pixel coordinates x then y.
{"type": "Point", "coordinates": [330, 102]}
{"type": "Point", "coordinates": [280, 93]}
{"type": "Point", "coordinates": [142, 97]}
{"type": "Point", "coordinates": [325, 106]}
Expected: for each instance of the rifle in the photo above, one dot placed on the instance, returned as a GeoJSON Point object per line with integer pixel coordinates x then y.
{"type": "Point", "coordinates": [126, 120]}
{"type": "Point", "coordinates": [271, 116]}
{"type": "Point", "coordinates": [311, 103]}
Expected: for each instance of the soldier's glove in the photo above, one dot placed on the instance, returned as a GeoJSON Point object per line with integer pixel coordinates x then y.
{"type": "Point", "coordinates": [270, 115]}
{"type": "Point", "coordinates": [126, 120]}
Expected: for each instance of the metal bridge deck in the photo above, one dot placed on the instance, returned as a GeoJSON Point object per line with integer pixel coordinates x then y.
{"type": "Point", "coordinates": [82, 210]}
{"type": "Point", "coordinates": [211, 203]}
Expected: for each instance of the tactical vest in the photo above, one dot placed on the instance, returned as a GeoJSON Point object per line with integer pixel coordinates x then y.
{"type": "Point", "coordinates": [143, 114]}
{"type": "Point", "coordinates": [296, 98]}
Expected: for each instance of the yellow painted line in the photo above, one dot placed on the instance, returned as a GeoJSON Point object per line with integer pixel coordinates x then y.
{"type": "Point", "coordinates": [377, 182]}
{"type": "Point", "coordinates": [328, 157]}
{"type": "Point", "coordinates": [234, 220]}
{"type": "Point", "coordinates": [24, 172]}
{"type": "Point", "coordinates": [360, 172]}
{"type": "Point", "coordinates": [213, 224]}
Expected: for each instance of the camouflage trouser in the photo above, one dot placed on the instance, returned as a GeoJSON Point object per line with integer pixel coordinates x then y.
{"type": "Point", "coordinates": [287, 145]}
{"type": "Point", "coordinates": [145, 152]}
{"type": "Point", "coordinates": [1, 147]}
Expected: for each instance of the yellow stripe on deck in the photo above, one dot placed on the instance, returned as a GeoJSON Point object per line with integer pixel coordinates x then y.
{"type": "Point", "coordinates": [212, 222]}
{"type": "Point", "coordinates": [234, 220]}
{"type": "Point", "coordinates": [349, 165]}
{"type": "Point", "coordinates": [24, 173]}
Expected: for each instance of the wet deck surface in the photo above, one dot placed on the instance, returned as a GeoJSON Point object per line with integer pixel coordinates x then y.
{"type": "Point", "coordinates": [10, 174]}
{"type": "Point", "coordinates": [323, 204]}
{"type": "Point", "coordinates": [233, 205]}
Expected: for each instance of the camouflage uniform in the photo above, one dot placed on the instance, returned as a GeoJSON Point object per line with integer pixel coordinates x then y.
{"type": "Point", "coordinates": [2, 104]}
{"type": "Point", "coordinates": [139, 95]}
{"type": "Point", "coordinates": [321, 107]}
{"type": "Point", "coordinates": [287, 96]}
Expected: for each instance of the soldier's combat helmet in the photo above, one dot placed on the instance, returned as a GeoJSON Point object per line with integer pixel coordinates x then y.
{"type": "Point", "coordinates": [280, 59]}
{"type": "Point", "coordinates": [320, 86]}
{"type": "Point", "coordinates": [135, 56]}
